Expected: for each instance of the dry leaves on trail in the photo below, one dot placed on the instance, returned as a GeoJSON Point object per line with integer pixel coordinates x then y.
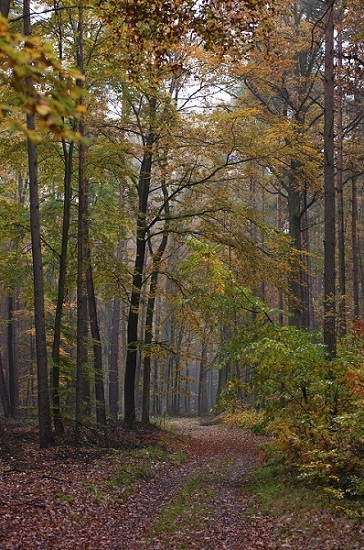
{"type": "Point", "coordinates": [62, 498]}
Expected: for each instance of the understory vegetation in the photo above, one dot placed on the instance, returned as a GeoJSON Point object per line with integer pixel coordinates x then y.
{"type": "Point", "coordinates": [312, 408]}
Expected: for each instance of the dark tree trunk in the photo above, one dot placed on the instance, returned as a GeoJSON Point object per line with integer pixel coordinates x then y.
{"type": "Point", "coordinates": [113, 366]}
{"type": "Point", "coordinates": [82, 320]}
{"type": "Point", "coordinates": [329, 186]}
{"type": "Point", "coordinates": [295, 283]}
{"type": "Point", "coordinates": [57, 417]}
{"type": "Point", "coordinates": [202, 383]}
{"type": "Point", "coordinates": [13, 379]}
{"type": "Point", "coordinates": [5, 7]}
{"type": "Point", "coordinates": [340, 187]}
{"type": "Point", "coordinates": [354, 246]}
{"type": "Point", "coordinates": [280, 227]}
{"type": "Point", "coordinates": [5, 401]}
{"type": "Point", "coordinates": [96, 344]}
{"type": "Point", "coordinates": [148, 331]}
{"type": "Point", "coordinates": [148, 337]}
{"type": "Point", "coordinates": [45, 421]}
{"type": "Point", "coordinates": [134, 311]}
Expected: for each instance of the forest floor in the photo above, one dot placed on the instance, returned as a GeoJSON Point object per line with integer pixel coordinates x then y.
{"type": "Point", "coordinates": [186, 488]}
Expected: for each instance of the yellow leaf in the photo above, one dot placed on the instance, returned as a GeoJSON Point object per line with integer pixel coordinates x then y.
{"type": "Point", "coordinates": [81, 108]}
{"type": "Point", "coordinates": [43, 108]}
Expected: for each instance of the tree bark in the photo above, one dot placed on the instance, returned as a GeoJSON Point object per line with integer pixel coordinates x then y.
{"type": "Point", "coordinates": [45, 422]}
{"type": "Point", "coordinates": [113, 364]}
{"type": "Point", "coordinates": [329, 186]}
{"type": "Point", "coordinates": [339, 185]}
{"type": "Point", "coordinates": [13, 379]}
{"type": "Point", "coordinates": [354, 247]}
{"type": "Point", "coordinates": [96, 344]}
{"type": "Point", "coordinates": [5, 401]}
{"type": "Point", "coordinates": [81, 359]}
{"type": "Point", "coordinates": [57, 417]}
{"type": "Point", "coordinates": [5, 7]}
{"type": "Point", "coordinates": [148, 334]}
{"type": "Point", "coordinates": [134, 310]}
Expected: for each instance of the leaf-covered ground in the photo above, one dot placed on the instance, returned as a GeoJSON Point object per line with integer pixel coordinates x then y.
{"type": "Point", "coordinates": [157, 491]}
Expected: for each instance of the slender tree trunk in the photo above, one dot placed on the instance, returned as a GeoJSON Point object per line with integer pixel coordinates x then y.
{"type": "Point", "coordinates": [45, 422]}
{"type": "Point", "coordinates": [96, 344]}
{"type": "Point", "coordinates": [5, 7]}
{"type": "Point", "coordinates": [13, 381]}
{"type": "Point", "coordinates": [354, 246]}
{"type": "Point", "coordinates": [339, 185]}
{"type": "Point", "coordinates": [81, 360]}
{"type": "Point", "coordinates": [113, 365]}
{"type": "Point", "coordinates": [5, 401]}
{"type": "Point", "coordinates": [132, 335]}
{"type": "Point", "coordinates": [280, 227]}
{"type": "Point", "coordinates": [134, 311]}
{"type": "Point", "coordinates": [148, 331]}
{"type": "Point", "coordinates": [148, 337]}
{"type": "Point", "coordinates": [329, 186]}
{"type": "Point", "coordinates": [305, 277]}
{"type": "Point", "coordinates": [202, 383]}
{"type": "Point", "coordinates": [57, 417]}
{"type": "Point", "coordinates": [294, 214]}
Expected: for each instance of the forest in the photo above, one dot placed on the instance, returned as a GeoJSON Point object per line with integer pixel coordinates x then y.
{"type": "Point", "coordinates": [182, 221]}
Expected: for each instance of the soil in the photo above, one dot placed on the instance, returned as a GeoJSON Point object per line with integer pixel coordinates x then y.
{"type": "Point", "coordinates": [61, 498]}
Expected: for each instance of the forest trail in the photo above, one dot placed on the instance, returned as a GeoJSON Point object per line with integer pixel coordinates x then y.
{"type": "Point", "coordinates": [50, 500]}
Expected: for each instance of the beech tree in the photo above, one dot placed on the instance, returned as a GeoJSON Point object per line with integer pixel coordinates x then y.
{"type": "Point", "coordinates": [287, 103]}
{"type": "Point", "coordinates": [44, 414]}
{"type": "Point", "coordinates": [329, 185]}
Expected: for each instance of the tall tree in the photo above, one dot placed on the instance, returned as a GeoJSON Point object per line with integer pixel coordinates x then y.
{"type": "Point", "coordinates": [329, 185]}
{"type": "Point", "coordinates": [44, 414]}
{"type": "Point", "coordinates": [82, 314]}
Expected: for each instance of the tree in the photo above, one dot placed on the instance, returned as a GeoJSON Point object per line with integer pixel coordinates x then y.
{"type": "Point", "coordinates": [329, 186]}
{"type": "Point", "coordinates": [44, 415]}
{"type": "Point", "coordinates": [282, 81]}
{"type": "Point", "coordinates": [5, 7]}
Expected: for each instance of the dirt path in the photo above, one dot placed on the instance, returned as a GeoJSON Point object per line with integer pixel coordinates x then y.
{"type": "Point", "coordinates": [55, 501]}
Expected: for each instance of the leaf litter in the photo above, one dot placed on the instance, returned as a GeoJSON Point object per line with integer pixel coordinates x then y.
{"type": "Point", "coordinates": [67, 497]}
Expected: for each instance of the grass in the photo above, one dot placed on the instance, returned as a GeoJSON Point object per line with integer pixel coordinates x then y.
{"type": "Point", "coordinates": [139, 464]}
{"type": "Point", "coordinates": [279, 492]}
{"type": "Point", "coordinates": [65, 497]}
{"type": "Point", "coordinates": [130, 467]}
{"type": "Point", "coordinates": [189, 509]}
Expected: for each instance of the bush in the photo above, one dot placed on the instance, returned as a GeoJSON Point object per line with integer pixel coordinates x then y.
{"type": "Point", "coordinates": [313, 407]}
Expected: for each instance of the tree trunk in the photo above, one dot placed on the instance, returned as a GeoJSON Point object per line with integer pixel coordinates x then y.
{"type": "Point", "coordinates": [134, 310]}
{"type": "Point", "coordinates": [45, 422]}
{"type": "Point", "coordinates": [148, 337]}
{"type": "Point", "coordinates": [294, 214]}
{"type": "Point", "coordinates": [5, 401]}
{"type": "Point", "coordinates": [96, 344]}
{"type": "Point", "coordinates": [339, 186]}
{"type": "Point", "coordinates": [113, 365]}
{"type": "Point", "coordinates": [57, 417]}
{"type": "Point", "coordinates": [5, 7]}
{"type": "Point", "coordinates": [81, 359]}
{"type": "Point", "coordinates": [13, 381]}
{"type": "Point", "coordinates": [329, 186]}
{"type": "Point", "coordinates": [148, 331]}
{"type": "Point", "coordinates": [354, 246]}
{"type": "Point", "coordinates": [202, 383]}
